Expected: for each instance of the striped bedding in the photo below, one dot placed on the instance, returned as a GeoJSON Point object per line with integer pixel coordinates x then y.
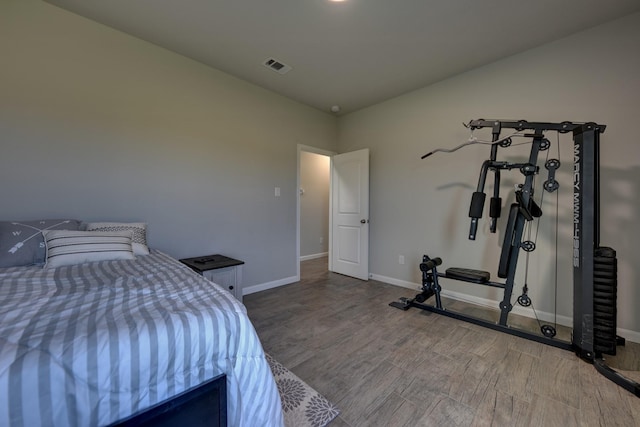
{"type": "Point", "coordinates": [89, 344]}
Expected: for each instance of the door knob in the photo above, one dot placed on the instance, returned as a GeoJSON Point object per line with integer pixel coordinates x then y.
{"type": "Point", "coordinates": [363, 221]}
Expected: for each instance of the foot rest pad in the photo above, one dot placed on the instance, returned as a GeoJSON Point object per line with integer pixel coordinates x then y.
{"type": "Point", "coordinates": [468, 275]}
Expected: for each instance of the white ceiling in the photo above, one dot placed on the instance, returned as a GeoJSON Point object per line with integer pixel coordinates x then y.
{"type": "Point", "coordinates": [353, 53]}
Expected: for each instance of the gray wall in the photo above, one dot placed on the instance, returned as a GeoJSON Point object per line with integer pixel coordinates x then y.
{"type": "Point", "coordinates": [98, 125]}
{"type": "Point", "coordinates": [314, 203]}
{"type": "Point", "coordinates": [421, 206]}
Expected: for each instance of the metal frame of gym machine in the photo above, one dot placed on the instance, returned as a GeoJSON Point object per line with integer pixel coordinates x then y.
{"type": "Point", "coordinates": [586, 238]}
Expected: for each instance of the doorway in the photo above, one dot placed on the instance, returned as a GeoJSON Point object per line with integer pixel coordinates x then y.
{"type": "Point", "coordinates": [313, 203]}
{"type": "Point", "coordinates": [347, 211]}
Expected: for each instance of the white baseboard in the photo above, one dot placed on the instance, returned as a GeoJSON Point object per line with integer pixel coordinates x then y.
{"type": "Point", "coordinates": [269, 285]}
{"type": "Point", "coordinates": [517, 309]}
{"type": "Point", "coordinates": [314, 256]}
{"type": "Point", "coordinates": [627, 334]}
{"type": "Point", "coordinates": [397, 282]}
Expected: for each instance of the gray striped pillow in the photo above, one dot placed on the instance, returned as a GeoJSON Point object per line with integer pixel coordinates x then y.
{"type": "Point", "coordinates": [138, 239]}
{"type": "Point", "coordinates": [66, 247]}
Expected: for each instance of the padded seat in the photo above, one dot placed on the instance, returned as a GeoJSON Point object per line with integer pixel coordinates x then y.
{"type": "Point", "coordinates": [468, 275]}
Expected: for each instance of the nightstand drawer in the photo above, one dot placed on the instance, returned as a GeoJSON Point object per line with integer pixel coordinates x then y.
{"type": "Point", "coordinates": [225, 271]}
{"type": "Point", "coordinates": [228, 278]}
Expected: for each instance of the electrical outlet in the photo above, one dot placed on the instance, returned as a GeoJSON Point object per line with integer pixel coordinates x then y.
{"type": "Point", "coordinates": [401, 259]}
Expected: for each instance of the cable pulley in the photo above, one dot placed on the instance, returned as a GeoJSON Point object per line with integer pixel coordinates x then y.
{"type": "Point", "coordinates": [529, 169]}
{"type": "Point", "coordinates": [528, 246]}
{"type": "Point", "coordinates": [522, 125]}
{"type": "Point", "coordinates": [544, 144]}
{"type": "Point", "coordinates": [506, 143]}
{"type": "Point", "coordinates": [524, 300]}
{"type": "Point", "coordinates": [552, 164]}
{"type": "Point", "coordinates": [548, 331]}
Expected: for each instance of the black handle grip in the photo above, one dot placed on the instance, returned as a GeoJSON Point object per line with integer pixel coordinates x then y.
{"type": "Point", "coordinates": [431, 264]}
{"type": "Point", "coordinates": [495, 206]}
{"type": "Point", "coordinates": [477, 204]}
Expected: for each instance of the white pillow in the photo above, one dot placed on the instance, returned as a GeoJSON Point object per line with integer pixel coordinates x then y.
{"type": "Point", "coordinates": [139, 240]}
{"type": "Point", "coordinates": [67, 247]}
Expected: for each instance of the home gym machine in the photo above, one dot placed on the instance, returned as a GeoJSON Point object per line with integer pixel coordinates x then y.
{"type": "Point", "coordinates": [594, 267]}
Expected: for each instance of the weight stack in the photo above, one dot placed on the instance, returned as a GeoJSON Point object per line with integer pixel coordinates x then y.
{"type": "Point", "coordinates": [605, 284]}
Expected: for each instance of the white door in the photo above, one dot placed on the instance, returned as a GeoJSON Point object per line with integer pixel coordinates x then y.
{"type": "Point", "coordinates": [350, 214]}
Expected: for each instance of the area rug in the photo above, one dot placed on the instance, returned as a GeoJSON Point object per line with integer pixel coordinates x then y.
{"type": "Point", "coordinates": [302, 406]}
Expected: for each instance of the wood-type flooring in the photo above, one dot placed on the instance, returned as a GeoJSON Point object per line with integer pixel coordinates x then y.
{"type": "Point", "coordinates": [387, 367]}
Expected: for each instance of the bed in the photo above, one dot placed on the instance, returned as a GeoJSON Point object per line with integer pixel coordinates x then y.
{"type": "Point", "coordinates": [92, 343]}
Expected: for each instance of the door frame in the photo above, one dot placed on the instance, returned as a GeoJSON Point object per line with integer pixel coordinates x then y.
{"type": "Point", "coordinates": [330, 154]}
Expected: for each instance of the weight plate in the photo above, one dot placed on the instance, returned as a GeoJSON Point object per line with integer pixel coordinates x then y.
{"type": "Point", "coordinates": [604, 275]}
{"type": "Point", "coordinates": [605, 261]}
{"type": "Point", "coordinates": [604, 329]}
{"type": "Point", "coordinates": [604, 288]}
{"type": "Point", "coordinates": [602, 294]}
{"type": "Point", "coordinates": [604, 251]}
{"type": "Point", "coordinates": [600, 273]}
{"type": "Point", "coordinates": [603, 339]}
{"type": "Point", "coordinates": [609, 335]}
{"type": "Point", "coordinates": [603, 308]}
{"type": "Point", "coordinates": [600, 314]}
{"type": "Point", "coordinates": [607, 296]}
{"type": "Point", "coordinates": [605, 323]}
{"type": "Point", "coordinates": [605, 313]}
{"type": "Point", "coordinates": [603, 281]}
{"type": "Point", "coordinates": [604, 267]}
{"type": "Point", "coordinates": [605, 303]}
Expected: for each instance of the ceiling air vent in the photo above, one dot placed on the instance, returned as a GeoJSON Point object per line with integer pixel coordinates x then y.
{"type": "Point", "coordinates": [276, 66]}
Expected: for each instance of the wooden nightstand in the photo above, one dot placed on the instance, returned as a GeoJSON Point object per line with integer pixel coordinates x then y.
{"type": "Point", "coordinates": [225, 271]}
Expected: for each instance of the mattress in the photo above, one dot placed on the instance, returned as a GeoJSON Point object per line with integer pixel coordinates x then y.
{"type": "Point", "coordinates": [89, 344]}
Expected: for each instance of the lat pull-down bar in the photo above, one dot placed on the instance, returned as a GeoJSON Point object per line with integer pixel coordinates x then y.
{"type": "Point", "coordinates": [538, 127]}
